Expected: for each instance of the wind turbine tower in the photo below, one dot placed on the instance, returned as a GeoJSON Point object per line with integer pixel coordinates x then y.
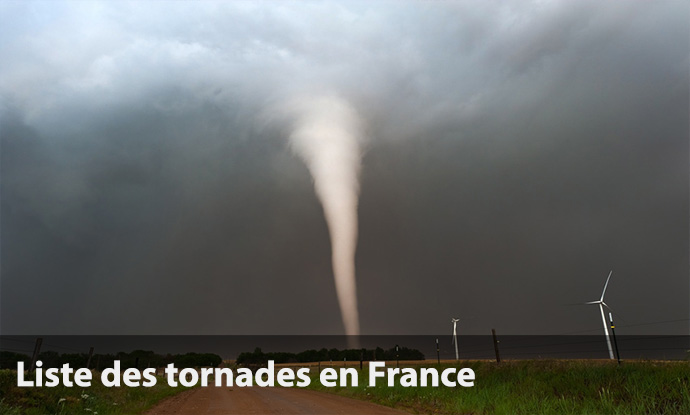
{"type": "Point", "coordinates": [455, 336]}
{"type": "Point", "coordinates": [602, 304]}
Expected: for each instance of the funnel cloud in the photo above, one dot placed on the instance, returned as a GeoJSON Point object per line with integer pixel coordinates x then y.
{"type": "Point", "coordinates": [327, 135]}
{"type": "Point", "coordinates": [166, 167]}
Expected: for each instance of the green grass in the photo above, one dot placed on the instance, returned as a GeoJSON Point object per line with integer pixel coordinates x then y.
{"type": "Point", "coordinates": [94, 400]}
{"type": "Point", "coordinates": [541, 387]}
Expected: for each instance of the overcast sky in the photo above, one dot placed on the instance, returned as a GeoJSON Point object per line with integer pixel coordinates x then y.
{"type": "Point", "coordinates": [515, 153]}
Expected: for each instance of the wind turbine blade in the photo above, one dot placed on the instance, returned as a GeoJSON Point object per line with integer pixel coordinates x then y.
{"type": "Point", "coordinates": [593, 302]}
{"type": "Point", "coordinates": [606, 285]}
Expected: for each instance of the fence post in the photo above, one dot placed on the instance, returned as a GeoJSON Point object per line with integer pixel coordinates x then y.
{"type": "Point", "coordinates": [88, 361]}
{"type": "Point", "coordinates": [37, 351]}
{"type": "Point", "coordinates": [498, 357]}
{"type": "Point", "coordinates": [613, 332]}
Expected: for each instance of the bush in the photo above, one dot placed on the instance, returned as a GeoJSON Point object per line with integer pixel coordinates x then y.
{"type": "Point", "coordinates": [8, 360]}
{"type": "Point", "coordinates": [258, 357]}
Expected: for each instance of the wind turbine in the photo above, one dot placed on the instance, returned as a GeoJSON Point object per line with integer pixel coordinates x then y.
{"type": "Point", "coordinates": [602, 304]}
{"type": "Point", "coordinates": [455, 336]}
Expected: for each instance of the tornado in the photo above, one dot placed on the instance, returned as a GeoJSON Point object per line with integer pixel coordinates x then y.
{"type": "Point", "coordinates": [327, 135]}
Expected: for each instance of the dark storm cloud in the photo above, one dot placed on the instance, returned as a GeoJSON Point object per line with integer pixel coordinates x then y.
{"type": "Point", "coordinates": [516, 152]}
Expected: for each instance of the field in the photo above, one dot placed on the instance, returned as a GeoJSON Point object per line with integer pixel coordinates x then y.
{"type": "Point", "coordinates": [511, 387]}
{"type": "Point", "coordinates": [95, 400]}
{"type": "Point", "coordinates": [541, 386]}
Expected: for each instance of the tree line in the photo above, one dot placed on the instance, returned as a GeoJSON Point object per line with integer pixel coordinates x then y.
{"type": "Point", "coordinates": [258, 357]}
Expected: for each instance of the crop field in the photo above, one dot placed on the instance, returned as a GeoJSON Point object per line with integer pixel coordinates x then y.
{"type": "Point", "coordinates": [540, 386]}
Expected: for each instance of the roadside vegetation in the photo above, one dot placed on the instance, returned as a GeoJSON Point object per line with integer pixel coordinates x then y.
{"type": "Point", "coordinates": [540, 387]}
{"type": "Point", "coordinates": [94, 400]}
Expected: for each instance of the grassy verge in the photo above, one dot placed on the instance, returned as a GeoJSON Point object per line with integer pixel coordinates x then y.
{"type": "Point", "coordinates": [541, 386]}
{"type": "Point", "coordinates": [94, 400]}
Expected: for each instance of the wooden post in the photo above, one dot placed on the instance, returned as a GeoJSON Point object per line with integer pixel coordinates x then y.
{"type": "Point", "coordinates": [88, 361]}
{"type": "Point", "coordinates": [37, 351]}
{"type": "Point", "coordinates": [613, 332]}
{"type": "Point", "coordinates": [498, 357]}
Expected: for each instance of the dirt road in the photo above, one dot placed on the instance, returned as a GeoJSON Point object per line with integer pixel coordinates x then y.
{"type": "Point", "coordinates": [256, 400]}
